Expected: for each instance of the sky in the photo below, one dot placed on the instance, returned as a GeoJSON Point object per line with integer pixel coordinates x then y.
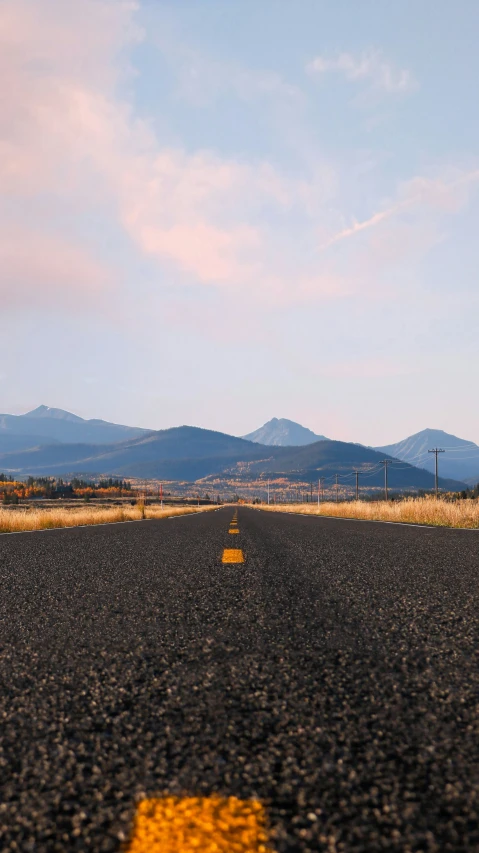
{"type": "Point", "coordinates": [214, 213]}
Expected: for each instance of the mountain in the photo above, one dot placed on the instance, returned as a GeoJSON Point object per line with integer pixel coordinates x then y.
{"type": "Point", "coordinates": [47, 426]}
{"type": "Point", "coordinates": [190, 453]}
{"type": "Point", "coordinates": [178, 453]}
{"type": "Point", "coordinates": [279, 432]}
{"type": "Point", "coordinates": [459, 461]}
{"type": "Point", "coordinates": [327, 458]}
{"type": "Point", "coordinates": [58, 414]}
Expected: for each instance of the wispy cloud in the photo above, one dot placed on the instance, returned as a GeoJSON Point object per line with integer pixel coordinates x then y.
{"type": "Point", "coordinates": [201, 79]}
{"type": "Point", "coordinates": [442, 196]}
{"type": "Point", "coordinates": [370, 67]}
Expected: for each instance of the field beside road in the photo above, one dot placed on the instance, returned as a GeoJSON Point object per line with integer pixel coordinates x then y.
{"type": "Point", "coordinates": [20, 519]}
{"type": "Point", "coordinates": [429, 510]}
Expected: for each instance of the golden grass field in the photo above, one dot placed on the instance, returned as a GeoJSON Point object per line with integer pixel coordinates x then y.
{"type": "Point", "coordinates": [13, 521]}
{"type": "Point", "coordinates": [428, 510]}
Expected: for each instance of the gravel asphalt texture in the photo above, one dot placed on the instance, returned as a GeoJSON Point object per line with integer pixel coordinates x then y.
{"type": "Point", "coordinates": [334, 676]}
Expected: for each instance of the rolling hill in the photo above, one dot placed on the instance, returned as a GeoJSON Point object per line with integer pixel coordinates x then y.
{"type": "Point", "coordinates": [280, 432]}
{"type": "Point", "coordinates": [178, 453]}
{"type": "Point", "coordinates": [327, 458]}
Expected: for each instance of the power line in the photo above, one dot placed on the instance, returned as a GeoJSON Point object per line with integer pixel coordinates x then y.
{"type": "Point", "coordinates": [357, 484]}
{"type": "Point", "coordinates": [386, 462]}
{"type": "Point", "coordinates": [436, 450]}
{"type": "Point", "coordinates": [372, 472]}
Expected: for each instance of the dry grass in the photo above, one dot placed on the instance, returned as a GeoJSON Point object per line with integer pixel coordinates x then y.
{"type": "Point", "coordinates": [13, 521]}
{"type": "Point", "coordinates": [439, 513]}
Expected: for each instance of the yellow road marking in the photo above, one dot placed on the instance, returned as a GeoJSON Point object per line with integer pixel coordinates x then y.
{"type": "Point", "coordinates": [232, 555]}
{"type": "Point", "coordinates": [233, 530]}
{"type": "Point", "coordinates": [199, 825]}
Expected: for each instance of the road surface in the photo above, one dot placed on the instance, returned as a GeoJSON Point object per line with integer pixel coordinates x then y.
{"type": "Point", "coordinates": [327, 685]}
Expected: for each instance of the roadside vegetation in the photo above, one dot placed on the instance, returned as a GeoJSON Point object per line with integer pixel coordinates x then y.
{"type": "Point", "coordinates": [20, 519]}
{"type": "Point", "coordinates": [425, 510]}
{"type": "Point", "coordinates": [13, 491]}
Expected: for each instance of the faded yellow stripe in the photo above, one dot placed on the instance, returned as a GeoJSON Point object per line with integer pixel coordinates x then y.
{"type": "Point", "coordinates": [233, 530]}
{"type": "Point", "coordinates": [199, 825]}
{"type": "Point", "coordinates": [232, 555]}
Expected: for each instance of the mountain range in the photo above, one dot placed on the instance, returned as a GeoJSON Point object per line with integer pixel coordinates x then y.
{"type": "Point", "coordinates": [189, 453]}
{"type": "Point", "coordinates": [45, 425]}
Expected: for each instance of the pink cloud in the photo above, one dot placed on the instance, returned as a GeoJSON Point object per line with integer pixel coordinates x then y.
{"type": "Point", "coordinates": [67, 134]}
{"type": "Point", "coordinates": [69, 140]}
{"type": "Point", "coordinates": [38, 267]}
{"type": "Point", "coordinates": [206, 251]}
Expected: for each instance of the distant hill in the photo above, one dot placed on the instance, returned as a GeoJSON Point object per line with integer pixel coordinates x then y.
{"type": "Point", "coordinates": [178, 453]}
{"type": "Point", "coordinates": [460, 460]}
{"type": "Point", "coordinates": [327, 458]}
{"type": "Point", "coordinates": [189, 453]}
{"type": "Point", "coordinates": [280, 432]}
{"type": "Point", "coordinates": [47, 426]}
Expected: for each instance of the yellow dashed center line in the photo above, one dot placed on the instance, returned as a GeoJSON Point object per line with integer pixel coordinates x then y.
{"type": "Point", "coordinates": [199, 825]}
{"type": "Point", "coordinates": [233, 530]}
{"type": "Point", "coordinates": [232, 555]}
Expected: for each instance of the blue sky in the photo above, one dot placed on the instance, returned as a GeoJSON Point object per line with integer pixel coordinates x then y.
{"type": "Point", "coordinates": [215, 213]}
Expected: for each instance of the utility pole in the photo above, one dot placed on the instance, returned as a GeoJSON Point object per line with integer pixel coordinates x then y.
{"type": "Point", "coordinates": [161, 495]}
{"type": "Point", "coordinates": [311, 492]}
{"type": "Point", "coordinates": [268, 492]}
{"type": "Point", "coordinates": [336, 488]}
{"type": "Point", "coordinates": [357, 485]}
{"type": "Point", "coordinates": [319, 490]}
{"type": "Point", "coordinates": [386, 462]}
{"type": "Point", "coordinates": [436, 450]}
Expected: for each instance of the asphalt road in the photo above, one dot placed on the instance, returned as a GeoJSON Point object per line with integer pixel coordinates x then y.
{"type": "Point", "coordinates": [333, 676]}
